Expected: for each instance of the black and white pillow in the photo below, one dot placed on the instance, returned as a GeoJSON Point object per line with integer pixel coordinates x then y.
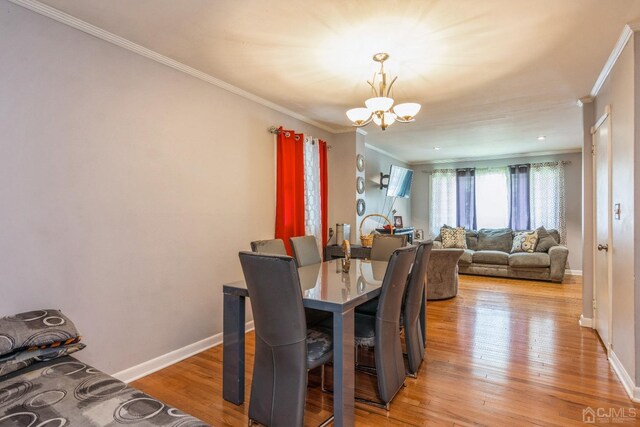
{"type": "Point", "coordinates": [453, 237]}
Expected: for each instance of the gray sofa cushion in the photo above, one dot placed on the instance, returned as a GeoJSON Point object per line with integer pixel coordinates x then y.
{"type": "Point", "coordinates": [547, 239]}
{"type": "Point", "coordinates": [67, 392]}
{"type": "Point", "coordinates": [499, 239]}
{"type": "Point", "coordinates": [472, 239]}
{"type": "Point", "coordinates": [467, 256]}
{"type": "Point", "coordinates": [491, 257]}
{"type": "Point", "coordinates": [524, 259]}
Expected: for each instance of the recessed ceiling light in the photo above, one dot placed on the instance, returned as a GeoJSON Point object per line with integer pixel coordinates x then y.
{"type": "Point", "coordinates": [436, 148]}
{"type": "Point", "coordinates": [542, 138]}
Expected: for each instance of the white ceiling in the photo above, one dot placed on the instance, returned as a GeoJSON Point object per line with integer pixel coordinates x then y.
{"type": "Point", "coordinates": [491, 75]}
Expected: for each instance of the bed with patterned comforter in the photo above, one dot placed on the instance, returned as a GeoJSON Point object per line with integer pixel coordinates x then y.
{"type": "Point", "coordinates": [41, 386]}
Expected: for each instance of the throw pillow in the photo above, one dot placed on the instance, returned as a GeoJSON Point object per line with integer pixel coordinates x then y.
{"type": "Point", "coordinates": [453, 238]}
{"type": "Point", "coordinates": [495, 239]}
{"type": "Point", "coordinates": [35, 329]}
{"type": "Point", "coordinates": [22, 359]}
{"type": "Point", "coordinates": [524, 241]}
{"type": "Point", "coordinates": [545, 240]}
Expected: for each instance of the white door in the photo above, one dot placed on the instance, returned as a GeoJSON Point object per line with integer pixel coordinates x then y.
{"type": "Point", "coordinates": [602, 228]}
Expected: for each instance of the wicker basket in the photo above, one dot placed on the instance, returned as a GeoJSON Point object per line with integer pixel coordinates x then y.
{"type": "Point", "coordinates": [367, 240]}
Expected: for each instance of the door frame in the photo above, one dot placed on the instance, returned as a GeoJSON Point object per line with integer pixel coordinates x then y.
{"type": "Point", "coordinates": [605, 118]}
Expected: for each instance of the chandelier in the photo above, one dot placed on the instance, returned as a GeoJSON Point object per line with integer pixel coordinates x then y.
{"type": "Point", "coordinates": [380, 107]}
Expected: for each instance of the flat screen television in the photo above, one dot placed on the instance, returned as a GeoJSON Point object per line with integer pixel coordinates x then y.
{"type": "Point", "coordinates": [399, 182]}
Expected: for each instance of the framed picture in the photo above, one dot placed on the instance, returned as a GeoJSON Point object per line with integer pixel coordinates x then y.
{"type": "Point", "coordinates": [397, 221]}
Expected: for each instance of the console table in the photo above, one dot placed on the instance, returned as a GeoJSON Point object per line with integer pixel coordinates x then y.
{"type": "Point", "coordinates": [408, 231]}
{"type": "Point", "coordinates": [335, 251]}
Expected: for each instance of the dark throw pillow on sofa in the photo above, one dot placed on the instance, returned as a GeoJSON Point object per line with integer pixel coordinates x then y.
{"type": "Point", "coordinates": [495, 239]}
{"type": "Point", "coordinates": [545, 240]}
{"type": "Point", "coordinates": [40, 328]}
{"type": "Point", "coordinates": [23, 359]}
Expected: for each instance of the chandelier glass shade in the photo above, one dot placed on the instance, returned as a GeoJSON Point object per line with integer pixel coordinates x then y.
{"type": "Point", "coordinates": [380, 108]}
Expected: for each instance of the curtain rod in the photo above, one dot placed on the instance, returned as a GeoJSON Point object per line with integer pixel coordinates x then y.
{"type": "Point", "coordinates": [563, 162]}
{"type": "Point", "coordinates": [275, 131]}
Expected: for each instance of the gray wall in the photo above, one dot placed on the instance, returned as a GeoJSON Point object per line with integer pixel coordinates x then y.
{"type": "Point", "coordinates": [127, 189]}
{"type": "Point", "coordinates": [343, 174]}
{"type": "Point", "coordinates": [376, 198]}
{"type": "Point", "coordinates": [573, 176]}
{"type": "Point", "coordinates": [619, 91]}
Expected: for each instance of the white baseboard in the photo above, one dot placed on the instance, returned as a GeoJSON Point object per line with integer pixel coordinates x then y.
{"type": "Point", "coordinates": [585, 322]}
{"type": "Point", "coordinates": [573, 272]}
{"type": "Point", "coordinates": [626, 380]}
{"type": "Point", "coordinates": [175, 356]}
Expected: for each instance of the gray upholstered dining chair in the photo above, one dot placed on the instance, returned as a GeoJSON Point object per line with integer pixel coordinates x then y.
{"type": "Point", "coordinates": [272, 246]}
{"type": "Point", "coordinates": [381, 249]}
{"type": "Point", "coordinates": [285, 349]}
{"type": "Point", "coordinates": [384, 244]}
{"type": "Point", "coordinates": [305, 250]}
{"type": "Point", "coordinates": [382, 331]}
{"type": "Point", "coordinates": [413, 300]}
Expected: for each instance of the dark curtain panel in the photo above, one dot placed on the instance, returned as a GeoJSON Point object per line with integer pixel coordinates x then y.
{"type": "Point", "coordinates": [466, 198]}
{"type": "Point", "coordinates": [519, 209]}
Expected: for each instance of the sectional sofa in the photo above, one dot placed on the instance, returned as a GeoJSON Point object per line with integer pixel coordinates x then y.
{"type": "Point", "coordinates": [488, 253]}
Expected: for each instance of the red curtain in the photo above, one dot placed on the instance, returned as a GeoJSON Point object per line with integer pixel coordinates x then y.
{"type": "Point", "coordinates": [324, 191]}
{"type": "Point", "coordinates": [290, 186]}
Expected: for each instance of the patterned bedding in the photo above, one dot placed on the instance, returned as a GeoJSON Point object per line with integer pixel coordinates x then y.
{"type": "Point", "coordinates": [67, 392]}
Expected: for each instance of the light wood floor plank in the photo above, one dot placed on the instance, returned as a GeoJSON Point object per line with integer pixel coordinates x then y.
{"type": "Point", "coordinates": [504, 352]}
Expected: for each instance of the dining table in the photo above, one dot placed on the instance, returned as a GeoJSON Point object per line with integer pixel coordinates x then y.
{"type": "Point", "coordinates": [327, 287]}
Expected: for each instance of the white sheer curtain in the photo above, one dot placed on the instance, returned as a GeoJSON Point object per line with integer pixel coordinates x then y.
{"type": "Point", "coordinates": [547, 194]}
{"type": "Point", "coordinates": [492, 197]}
{"type": "Point", "coordinates": [312, 200]}
{"type": "Point", "coordinates": [442, 200]}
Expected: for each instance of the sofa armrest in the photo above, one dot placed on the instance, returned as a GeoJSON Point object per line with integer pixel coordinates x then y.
{"type": "Point", "coordinates": [558, 258]}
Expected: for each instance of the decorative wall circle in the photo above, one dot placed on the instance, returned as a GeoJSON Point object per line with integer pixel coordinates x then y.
{"type": "Point", "coordinates": [360, 185]}
{"type": "Point", "coordinates": [360, 162]}
{"type": "Point", "coordinates": [361, 207]}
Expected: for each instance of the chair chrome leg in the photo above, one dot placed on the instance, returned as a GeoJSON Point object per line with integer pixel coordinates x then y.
{"type": "Point", "coordinates": [322, 378]}
{"type": "Point", "coordinates": [410, 375]}
{"type": "Point", "coordinates": [327, 421]}
{"type": "Point", "coordinates": [250, 422]}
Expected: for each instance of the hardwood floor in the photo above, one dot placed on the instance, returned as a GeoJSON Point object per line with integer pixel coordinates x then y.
{"type": "Point", "coordinates": [503, 352]}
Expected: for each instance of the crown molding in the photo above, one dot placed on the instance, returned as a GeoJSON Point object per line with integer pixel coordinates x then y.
{"type": "Point", "coordinates": [78, 24]}
{"type": "Point", "coordinates": [386, 153]}
{"type": "Point", "coordinates": [502, 157]}
{"type": "Point", "coordinates": [624, 38]}
{"type": "Point", "coordinates": [584, 100]}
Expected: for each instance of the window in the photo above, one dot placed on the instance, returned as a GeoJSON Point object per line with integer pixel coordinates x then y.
{"type": "Point", "coordinates": [538, 197]}
{"type": "Point", "coordinates": [492, 198]}
{"type": "Point", "coordinates": [547, 193]}
{"type": "Point", "coordinates": [442, 206]}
